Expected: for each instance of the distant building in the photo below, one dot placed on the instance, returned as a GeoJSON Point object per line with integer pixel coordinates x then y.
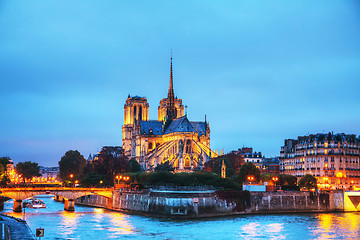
{"type": "Point", "coordinates": [48, 175]}
{"type": "Point", "coordinates": [332, 158]}
{"type": "Point", "coordinates": [10, 170]}
{"type": "Point", "coordinates": [249, 156]}
{"type": "Point", "coordinates": [172, 137]}
{"type": "Point", "coordinates": [270, 165]}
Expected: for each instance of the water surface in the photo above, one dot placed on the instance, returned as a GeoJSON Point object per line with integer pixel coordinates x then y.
{"type": "Point", "coordinates": [97, 223]}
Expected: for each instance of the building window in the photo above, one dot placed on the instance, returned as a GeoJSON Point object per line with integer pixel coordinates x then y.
{"type": "Point", "coordinates": [188, 146]}
{"type": "Point", "coordinates": [140, 114]}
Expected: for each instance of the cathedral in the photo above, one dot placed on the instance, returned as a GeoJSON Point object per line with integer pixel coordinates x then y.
{"type": "Point", "coordinates": [173, 137]}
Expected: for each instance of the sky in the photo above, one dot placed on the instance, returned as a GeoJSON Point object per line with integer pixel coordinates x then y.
{"type": "Point", "coordinates": [261, 71]}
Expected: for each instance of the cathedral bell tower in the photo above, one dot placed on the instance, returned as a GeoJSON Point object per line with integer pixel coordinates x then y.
{"type": "Point", "coordinates": [135, 109]}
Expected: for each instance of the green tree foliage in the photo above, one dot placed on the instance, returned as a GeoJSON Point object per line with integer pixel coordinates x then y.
{"type": "Point", "coordinates": [249, 169]}
{"type": "Point", "coordinates": [285, 179]}
{"type": "Point", "coordinates": [71, 163]}
{"type": "Point", "coordinates": [4, 180]}
{"type": "Point", "coordinates": [3, 162]}
{"type": "Point", "coordinates": [308, 181]}
{"type": "Point", "coordinates": [164, 167]}
{"type": "Point", "coordinates": [267, 177]}
{"type": "Point", "coordinates": [111, 161]}
{"type": "Point", "coordinates": [28, 169]}
{"type": "Point", "coordinates": [232, 161]}
{"type": "Point", "coordinates": [184, 179]}
{"type": "Point", "coordinates": [92, 179]}
{"type": "Point", "coordinates": [134, 166]}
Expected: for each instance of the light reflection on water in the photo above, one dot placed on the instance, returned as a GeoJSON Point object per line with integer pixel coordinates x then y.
{"type": "Point", "coordinates": [97, 223]}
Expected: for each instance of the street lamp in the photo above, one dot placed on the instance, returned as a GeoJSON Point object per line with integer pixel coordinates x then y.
{"type": "Point", "coordinates": [250, 178]}
{"type": "Point", "coordinates": [71, 177]}
{"type": "Point", "coordinates": [275, 179]}
{"type": "Point", "coordinates": [118, 178]}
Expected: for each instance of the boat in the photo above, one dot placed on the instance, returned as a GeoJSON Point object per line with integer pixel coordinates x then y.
{"type": "Point", "coordinates": [34, 203]}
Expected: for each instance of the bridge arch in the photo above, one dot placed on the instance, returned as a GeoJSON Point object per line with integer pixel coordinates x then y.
{"type": "Point", "coordinates": [68, 194]}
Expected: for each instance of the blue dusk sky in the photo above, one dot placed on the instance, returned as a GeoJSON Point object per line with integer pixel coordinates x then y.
{"type": "Point", "coordinates": [262, 71]}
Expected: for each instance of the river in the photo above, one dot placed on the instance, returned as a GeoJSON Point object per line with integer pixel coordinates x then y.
{"type": "Point", "coordinates": [98, 223]}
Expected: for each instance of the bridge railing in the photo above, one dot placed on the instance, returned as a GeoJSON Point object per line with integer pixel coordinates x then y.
{"type": "Point", "coordinates": [183, 188]}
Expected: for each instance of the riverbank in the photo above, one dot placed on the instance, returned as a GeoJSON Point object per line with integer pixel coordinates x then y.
{"type": "Point", "coordinates": [19, 230]}
{"type": "Point", "coordinates": [200, 204]}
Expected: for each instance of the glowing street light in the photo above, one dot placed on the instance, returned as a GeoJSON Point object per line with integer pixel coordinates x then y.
{"type": "Point", "coordinates": [118, 178]}
{"type": "Point", "coordinates": [250, 178]}
{"type": "Point", "coordinates": [275, 179]}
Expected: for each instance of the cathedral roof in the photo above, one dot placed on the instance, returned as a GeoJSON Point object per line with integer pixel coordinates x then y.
{"type": "Point", "coordinates": [200, 127]}
{"type": "Point", "coordinates": [152, 125]}
{"type": "Point", "coordinates": [182, 124]}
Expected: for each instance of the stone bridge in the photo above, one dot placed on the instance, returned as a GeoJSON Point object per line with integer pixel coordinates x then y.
{"type": "Point", "coordinates": [68, 195]}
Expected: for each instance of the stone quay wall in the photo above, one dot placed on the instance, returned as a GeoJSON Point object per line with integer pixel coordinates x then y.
{"type": "Point", "coordinates": [294, 201]}
{"type": "Point", "coordinates": [186, 204]}
{"type": "Point", "coordinates": [170, 204]}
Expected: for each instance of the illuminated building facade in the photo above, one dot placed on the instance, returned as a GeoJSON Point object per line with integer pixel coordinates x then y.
{"type": "Point", "coordinates": [332, 158]}
{"type": "Point", "coordinates": [172, 137]}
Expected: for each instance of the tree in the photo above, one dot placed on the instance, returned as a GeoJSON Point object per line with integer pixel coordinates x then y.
{"type": "Point", "coordinates": [308, 181]}
{"type": "Point", "coordinates": [3, 162]}
{"type": "Point", "coordinates": [164, 167]}
{"type": "Point", "coordinates": [110, 162]}
{"type": "Point", "coordinates": [71, 163]}
{"type": "Point", "coordinates": [28, 169]}
{"type": "Point", "coordinates": [249, 169]}
{"type": "Point", "coordinates": [134, 165]}
{"type": "Point", "coordinates": [268, 177]}
{"type": "Point", "coordinates": [92, 179]}
{"type": "Point", "coordinates": [232, 161]}
{"type": "Point", "coordinates": [4, 180]}
{"type": "Point", "coordinates": [285, 179]}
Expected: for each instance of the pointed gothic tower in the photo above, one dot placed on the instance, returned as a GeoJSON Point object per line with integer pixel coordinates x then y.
{"type": "Point", "coordinates": [170, 107]}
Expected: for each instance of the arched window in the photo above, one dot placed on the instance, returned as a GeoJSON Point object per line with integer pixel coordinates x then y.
{"type": "Point", "coordinates": [188, 146]}
{"type": "Point", "coordinates": [134, 113]}
{"type": "Point", "coordinates": [140, 113]}
{"type": "Point", "coordinates": [150, 146]}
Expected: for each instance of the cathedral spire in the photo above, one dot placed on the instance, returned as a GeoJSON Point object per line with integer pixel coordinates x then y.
{"type": "Point", "coordinates": [171, 110]}
{"type": "Point", "coordinates": [171, 88]}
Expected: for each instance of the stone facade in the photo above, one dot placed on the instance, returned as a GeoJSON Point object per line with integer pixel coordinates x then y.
{"type": "Point", "coordinates": [179, 204]}
{"type": "Point", "coordinates": [332, 158]}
